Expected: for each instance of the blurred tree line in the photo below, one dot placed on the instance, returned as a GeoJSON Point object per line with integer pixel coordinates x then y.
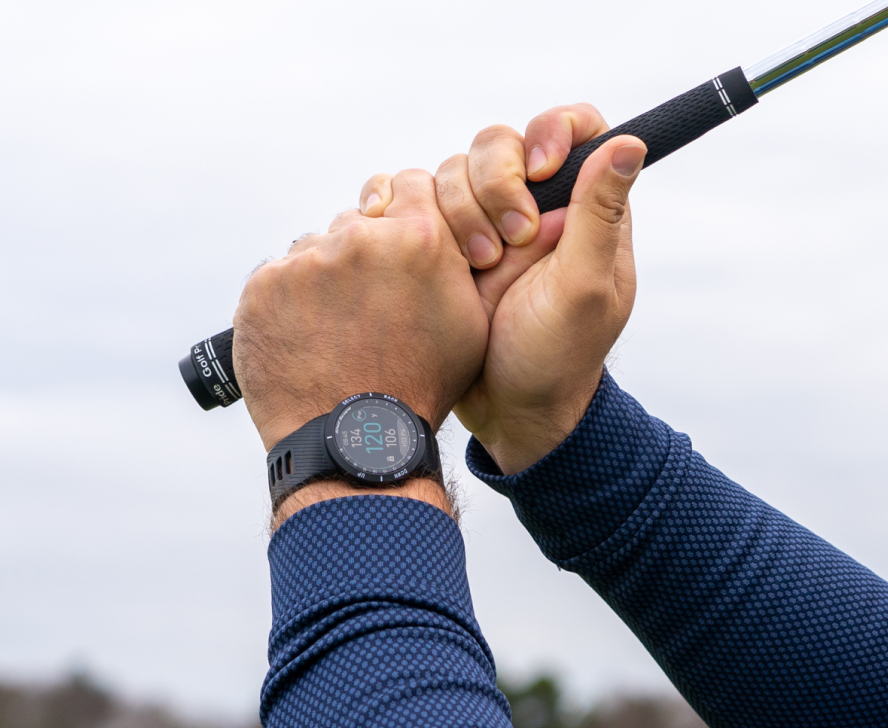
{"type": "Point", "coordinates": [81, 703]}
{"type": "Point", "coordinates": [540, 704]}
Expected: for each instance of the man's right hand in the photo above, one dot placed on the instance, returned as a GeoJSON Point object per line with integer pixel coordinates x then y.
{"type": "Point", "coordinates": [558, 293]}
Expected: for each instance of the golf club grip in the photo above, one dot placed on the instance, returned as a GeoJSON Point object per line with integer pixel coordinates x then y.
{"type": "Point", "coordinates": [209, 371]}
{"type": "Point", "coordinates": [664, 130]}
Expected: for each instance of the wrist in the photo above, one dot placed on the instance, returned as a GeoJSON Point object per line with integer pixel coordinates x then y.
{"type": "Point", "coordinates": [516, 451]}
{"type": "Point", "coordinates": [426, 490]}
{"type": "Point", "coordinates": [516, 438]}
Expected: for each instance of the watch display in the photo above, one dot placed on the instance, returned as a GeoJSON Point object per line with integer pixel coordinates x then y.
{"type": "Point", "coordinates": [375, 435]}
{"type": "Point", "coordinates": [371, 437]}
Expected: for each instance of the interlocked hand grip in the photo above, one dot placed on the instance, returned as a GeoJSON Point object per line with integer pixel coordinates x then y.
{"type": "Point", "coordinates": [208, 370]}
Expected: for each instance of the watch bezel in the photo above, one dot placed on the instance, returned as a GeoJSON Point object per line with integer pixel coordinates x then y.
{"type": "Point", "coordinates": [362, 475]}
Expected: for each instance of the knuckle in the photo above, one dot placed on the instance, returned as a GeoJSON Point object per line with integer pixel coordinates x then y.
{"type": "Point", "coordinates": [330, 253]}
{"type": "Point", "coordinates": [357, 233]}
{"type": "Point", "coordinates": [497, 186]}
{"type": "Point", "coordinates": [592, 114]}
{"type": "Point", "coordinates": [258, 287]}
{"type": "Point", "coordinates": [237, 321]}
{"type": "Point", "coordinates": [377, 180]}
{"type": "Point", "coordinates": [554, 115]}
{"type": "Point", "coordinates": [560, 114]}
{"type": "Point", "coordinates": [562, 119]}
{"type": "Point", "coordinates": [343, 218]}
{"type": "Point", "coordinates": [310, 262]}
{"type": "Point", "coordinates": [355, 241]}
{"type": "Point", "coordinates": [451, 180]}
{"type": "Point", "coordinates": [425, 232]}
{"type": "Point", "coordinates": [609, 205]}
{"type": "Point", "coordinates": [417, 179]}
{"type": "Point", "coordinates": [415, 172]}
{"type": "Point", "coordinates": [463, 215]}
{"type": "Point", "coordinates": [495, 133]}
{"type": "Point", "coordinates": [465, 222]}
{"type": "Point", "coordinates": [261, 276]}
{"type": "Point", "coordinates": [416, 242]}
{"type": "Point", "coordinates": [258, 274]}
{"type": "Point", "coordinates": [584, 108]}
{"type": "Point", "coordinates": [415, 187]}
{"type": "Point", "coordinates": [451, 196]}
{"type": "Point", "coordinates": [301, 242]}
{"type": "Point", "coordinates": [454, 164]}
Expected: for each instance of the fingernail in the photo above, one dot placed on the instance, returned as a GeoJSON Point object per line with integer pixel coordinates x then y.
{"type": "Point", "coordinates": [517, 226]}
{"type": "Point", "coordinates": [628, 161]}
{"type": "Point", "coordinates": [372, 200]}
{"type": "Point", "coordinates": [536, 160]}
{"type": "Point", "coordinates": [481, 249]}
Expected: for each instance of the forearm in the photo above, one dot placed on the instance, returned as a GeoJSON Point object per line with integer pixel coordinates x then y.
{"type": "Point", "coordinates": [373, 621]}
{"type": "Point", "coordinates": [756, 620]}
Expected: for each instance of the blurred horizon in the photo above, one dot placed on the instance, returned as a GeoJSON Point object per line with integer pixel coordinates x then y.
{"type": "Point", "coordinates": [83, 700]}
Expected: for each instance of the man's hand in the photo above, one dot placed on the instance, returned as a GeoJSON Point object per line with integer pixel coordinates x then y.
{"type": "Point", "coordinates": [384, 305]}
{"type": "Point", "coordinates": [557, 304]}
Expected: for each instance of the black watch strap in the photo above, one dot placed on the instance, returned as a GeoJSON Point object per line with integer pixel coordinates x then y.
{"type": "Point", "coordinates": [430, 465]}
{"type": "Point", "coordinates": [302, 457]}
{"type": "Point", "coordinates": [299, 458]}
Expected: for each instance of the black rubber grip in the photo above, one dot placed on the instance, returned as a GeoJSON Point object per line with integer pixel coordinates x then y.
{"type": "Point", "coordinates": [665, 130]}
{"type": "Point", "coordinates": [209, 372]}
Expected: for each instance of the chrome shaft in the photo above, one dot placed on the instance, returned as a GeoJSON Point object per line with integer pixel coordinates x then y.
{"type": "Point", "coordinates": [801, 57]}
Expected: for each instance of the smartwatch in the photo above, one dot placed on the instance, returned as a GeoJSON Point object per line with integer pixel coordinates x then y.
{"type": "Point", "coordinates": [367, 439]}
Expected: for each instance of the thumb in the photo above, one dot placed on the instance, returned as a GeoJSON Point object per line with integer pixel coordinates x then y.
{"type": "Point", "coordinates": [493, 283]}
{"type": "Point", "coordinates": [598, 211]}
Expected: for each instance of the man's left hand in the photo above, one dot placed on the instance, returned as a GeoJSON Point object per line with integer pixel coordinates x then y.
{"type": "Point", "coordinates": [384, 305]}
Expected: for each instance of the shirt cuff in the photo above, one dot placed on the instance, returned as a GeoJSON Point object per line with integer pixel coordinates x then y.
{"type": "Point", "coordinates": [371, 544]}
{"type": "Point", "coordinates": [595, 483]}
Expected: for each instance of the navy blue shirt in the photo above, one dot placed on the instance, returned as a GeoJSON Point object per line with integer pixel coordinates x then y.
{"type": "Point", "coordinates": [757, 621]}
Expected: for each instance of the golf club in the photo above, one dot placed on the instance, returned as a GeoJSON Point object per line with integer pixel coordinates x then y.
{"type": "Point", "coordinates": [208, 369]}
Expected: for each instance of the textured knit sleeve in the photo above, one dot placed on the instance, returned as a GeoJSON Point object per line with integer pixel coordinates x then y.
{"type": "Point", "coordinates": [373, 622]}
{"type": "Point", "coordinates": [756, 620]}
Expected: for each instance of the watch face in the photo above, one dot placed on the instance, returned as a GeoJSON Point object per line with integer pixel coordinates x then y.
{"type": "Point", "coordinates": [376, 436]}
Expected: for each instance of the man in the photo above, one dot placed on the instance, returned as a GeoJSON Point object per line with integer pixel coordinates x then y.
{"type": "Point", "coordinates": [757, 621]}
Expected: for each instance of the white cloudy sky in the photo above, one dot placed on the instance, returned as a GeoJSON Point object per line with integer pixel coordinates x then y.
{"type": "Point", "coordinates": [152, 153]}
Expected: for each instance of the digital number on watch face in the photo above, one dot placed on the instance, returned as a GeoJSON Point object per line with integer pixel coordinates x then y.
{"type": "Point", "coordinates": [376, 436]}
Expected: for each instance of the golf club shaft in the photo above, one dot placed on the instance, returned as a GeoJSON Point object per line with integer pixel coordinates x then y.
{"type": "Point", "coordinates": [208, 370]}
{"type": "Point", "coordinates": [810, 52]}
{"type": "Point", "coordinates": [685, 118]}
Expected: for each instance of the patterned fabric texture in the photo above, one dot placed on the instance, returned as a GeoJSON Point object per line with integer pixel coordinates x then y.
{"type": "Point", "coordinates": [373, 622]}
{"type": "Point", "coordinates": [757, 621]}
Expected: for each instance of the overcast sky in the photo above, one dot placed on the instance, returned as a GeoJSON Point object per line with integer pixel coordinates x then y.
{"type": "Point", "coordinates": [151, 154]}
